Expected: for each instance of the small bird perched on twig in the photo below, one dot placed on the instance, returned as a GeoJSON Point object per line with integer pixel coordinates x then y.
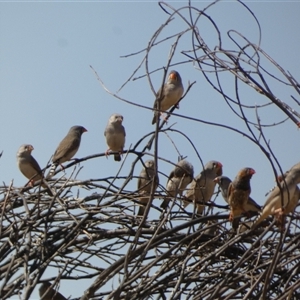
{"type": "Point", "coordinates": [144, 184]}
{"type": "Point", "coordinates": [202, 188]}
{"type": "Point", "coordinates": [251, 207]}
{"type": "Point", "coordinates": [169, 96]}
{"type": "Point", "coordinates": [238, 192]}
{"type": "Point", "coordinates": [224, 181]}
{"type": "Point", "coordinates": [115, 136]}
{"type": "Point", "coordinates": [282, 200]}
{"type": "Point", "coordinates": [49, 293]}
{"type": "Point", "coordinates": [178, 180]}
{"type": "Point", "coordinates": [67, 148]}
{"type": "Point", "coordinates": [29, 167]}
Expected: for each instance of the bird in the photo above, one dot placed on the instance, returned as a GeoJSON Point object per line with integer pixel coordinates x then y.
{"type": "Point", "coordinates": [287, 193]}
{"type": "Point", "coordinates": [224, 181]}
{"type": "Point", "coordinates": [202, 188]}
{"type": "Point", "coordinates": [169, 96]}
{"type": "Point", "coordinates": [29, 167]}
{"type": "Point", "coordinates": [238, 193]}
{"type": "Point", "coordinates": [67, 148]}
{"type": "Point", "coordinates": [180, 177]}
{"type": "Point", "coordinates": [49, 293]}
{"type": "Point", "coordinates": [144, 184]}
{"type": "Point", "coordinates": [115, 135]}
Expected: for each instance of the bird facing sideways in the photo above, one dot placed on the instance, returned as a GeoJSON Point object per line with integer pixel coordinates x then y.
{"type": "Point", "coordinates": [238, 192]}
{"type": "Point", "coordinates": [287, 194]}
{"type": "Point", "coordinates": [28, 166]}
{"type": "Point", "coordinates": [180, 177]}
{"type": "Point", "coordinates": [49, 293]}
{"type": "Point", "coordinates": [169, 96]}
{"type": "Point", "coordinates": [224, 182]}
{"type": "Point", "coordinates": [144, 184]}
{"type": "Point", "coordinates": [67, 148]}
{"type": "Point", "coordinates": [115, 136]}
{"type": "Point", "coordinates": [202, 188]}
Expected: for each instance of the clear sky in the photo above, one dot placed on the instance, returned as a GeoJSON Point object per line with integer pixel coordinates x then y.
{"type": "Point", "coordinates": [47, 86]}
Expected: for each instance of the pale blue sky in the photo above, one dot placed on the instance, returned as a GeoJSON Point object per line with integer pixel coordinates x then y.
{"type": "Point", "coordinates": [47, 86]}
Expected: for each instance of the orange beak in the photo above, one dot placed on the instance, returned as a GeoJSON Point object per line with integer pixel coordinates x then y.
{"type": "Point", "coordinates": [173, 76]}
{"type": "Point", "coordinates": [217, 180]}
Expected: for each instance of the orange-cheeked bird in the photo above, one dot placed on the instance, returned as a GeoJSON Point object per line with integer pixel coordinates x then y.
{"type": "Point", "coordinates": [238, 192]}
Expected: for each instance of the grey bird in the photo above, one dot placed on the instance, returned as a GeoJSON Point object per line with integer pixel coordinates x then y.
{"type": "Point", "coordinates": [144, 184]}
{"type": "Point", "coordinates": [115, 135]}
{"type": "Point", "coordinates": [203, 186]}
{"type": "Point", "coordinates": [180, 177]}
{"type": "Point", "coordinates": [67, 148]}
{"type": "Point", "coordinates": [171, 94]}
{"type": "Point", "coordinates": [288, 194]}
{"type": "Point", "coordinates": [49, 293]}
{"type": "Point", "coordinates": [28, 166]}
{"type": "Point", "coordinates": [224, 181]}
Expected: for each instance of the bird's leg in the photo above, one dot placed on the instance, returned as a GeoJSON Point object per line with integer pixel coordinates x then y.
{"type": "Point", "coordinates": [280, 217]}
{"type": "Point", "coordinates": [164, 117]}
{"type": "Point", "coordinates": [121, 152]}
{"type": "Point", "coordinates": [107, 152]}
{"type": "Point", "coordinates": [31, 183]}
{"type": "Point", "coordinates": [231, 216]}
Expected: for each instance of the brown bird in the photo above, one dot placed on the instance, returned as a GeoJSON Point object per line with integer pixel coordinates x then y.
{"type": "Point", "coordinates": [202, 188]}
{"type": "Point", "coordinates": [144, 184]}
{"type": "Point", "coordinates": [178, 180]}
{"type": "Point", "coordinates": [115, 135]}
{"type": "Point", "coordinates": [171, 94]}
{"type": "Point", "coordinates": [288, 194]}
{"type": "Point", "coordinates": [49, 293]}
{"type": "Point", "coordinates": [224, 182]}
{"type": "Point", "coordinates": [238, 192]}
{"type": "Point", "coordinates": [29, 167]}
{"type": "Point", "coordinates": [67, 148]}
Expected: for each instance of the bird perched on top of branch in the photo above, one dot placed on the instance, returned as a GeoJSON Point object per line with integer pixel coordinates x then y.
{"type": "Point", "coordinates": [29, 167]}
{"type": "Point", "coordinates": [144, 184]}
{"type": "Point", "coordinates": [169, 96]}
{"type": "Point", "coordinates": [115, 135]}
{"type": "Point", "coordinates": [67, 148]}
{"type": "Point", "coordinates": [178, 180]}
{"type": "Point", "coordinates": [202, 188]}
{"type": "Point", "coordinates": [251, 207]}
{"type": "Point", "coordinates": [238, 192]}
{"type": "Point", "coordinates": [287, 194]}
{"type": "Point", "coordinates": [224, 182]}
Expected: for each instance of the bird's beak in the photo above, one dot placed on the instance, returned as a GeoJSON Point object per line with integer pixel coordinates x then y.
{"type": "Point", "coordinates": [217, 180]}
{"type": "Point", "coordinates": [173, 76]}
{"type": "Point", "coordinates": [31, 148]}
{"type": "Point", "coordinates": [252, 171]}
{"type": "Point", "coordinates": [84, 130]}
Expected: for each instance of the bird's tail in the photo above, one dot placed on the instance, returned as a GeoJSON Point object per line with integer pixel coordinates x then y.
{"type": "Point", "coordinates": [165, 203]}
{"type": "Point", "coordinates": [154, 118]}
{"type": "Point", "coordinates": [52, 170]}
{"type": "Point", "coordinates": [117, 157]}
